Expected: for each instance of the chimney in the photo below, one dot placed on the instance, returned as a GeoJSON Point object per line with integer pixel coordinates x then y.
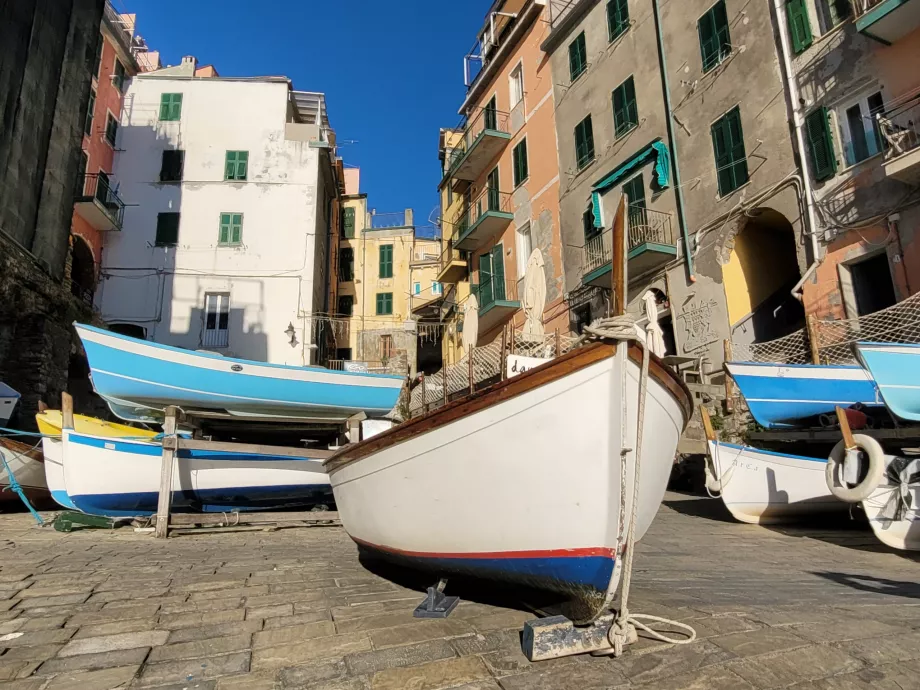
{"type": "Point", "coordinates": [190, 60]}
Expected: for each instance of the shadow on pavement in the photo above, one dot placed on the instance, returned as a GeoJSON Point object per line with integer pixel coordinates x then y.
{"type": "Point", "coordinates": [876, 585]}
{"type": "Point", "coordinates": [700, 506]}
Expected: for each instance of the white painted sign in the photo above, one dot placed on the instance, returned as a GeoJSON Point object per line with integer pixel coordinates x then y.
{"type": "Point", "coordinates": [518, 364]}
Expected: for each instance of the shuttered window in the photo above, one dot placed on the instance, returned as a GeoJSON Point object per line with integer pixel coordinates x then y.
{"type": "Point", "coordinates": [384, 303]}
{"type": "Point", "coordinates": [386, 260]}
{"type": "Point", "coordinates": [584, 143]}
{"type": "Point", "coordinates": [167, 229]}
{"type": "Point", "coordinates": [231, 229]}
{"type": "Point", "coordinates": [348, 223]}
{"type": "Point", "coordinates": [617, 18]}
{"type": "Point", "coordinates": [237, 166]}
{"type": "Point", "coordinates": [91, 106]}
{"type": "Point", "coordinates": [118, 77]}
{"type": "Point", "coordinates": [625, 109]}
{"type": "Point", "coordinates": [519, 160]}
{"type": "Point", "coordinates": [170, 107]}
{"type": "Point", "coordinates": [578, 57]}
{"type": "Point", "coordinates": [715, 41]}
{"type": "Point", "coordinates": [820, 145]}
{"type": "Point", "coordinates": [728, 147]}
{"type": "Point", "coordinates": [346, 264]}
{"type": "Point", "coordinates": [799, 26]}
{"type": "Point", "coordinates": [111, 129]}
{"type": "Point", "coordinates": [172, 165]}
{"type": "Point", "coordinates": [491, 276]}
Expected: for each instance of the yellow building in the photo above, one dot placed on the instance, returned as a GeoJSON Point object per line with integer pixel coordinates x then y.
{"type": "Point", "coordinates": [375, 283]}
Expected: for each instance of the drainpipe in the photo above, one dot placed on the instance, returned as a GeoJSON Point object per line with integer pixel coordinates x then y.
{"type": "Point", "coordinates": [798, 125]}
{"type": "Point", "coordinates": [666, 87]}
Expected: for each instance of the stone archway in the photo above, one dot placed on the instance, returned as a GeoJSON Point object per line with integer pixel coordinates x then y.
{"type": "Point", "coordinates": [82, 271]}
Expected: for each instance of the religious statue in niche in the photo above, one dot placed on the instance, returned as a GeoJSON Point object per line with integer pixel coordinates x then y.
{"type": "Point", "coordinates": [696, 320]}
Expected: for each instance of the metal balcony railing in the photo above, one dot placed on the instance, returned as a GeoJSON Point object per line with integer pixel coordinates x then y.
{"type": "Point", "coordinates": [396, 219]}
{"type": "Point", "coordinates": [493, 290]}
{"type": "Point", "coordinates": [860, 7]}
{"type": "Point", "coordinates": [97, 186]}
{"type": "Point", "coordinates": [487, 119]}
{"type": "Point", "coordinates": [644, 226]}
{"type": "Point", "coordinates": [477, 205]}
{"type": "Point", "coordinates": [900, 127]}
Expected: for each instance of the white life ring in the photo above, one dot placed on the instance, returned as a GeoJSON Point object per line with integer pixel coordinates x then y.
{"type": "Point", "coordinates": [876, 457]}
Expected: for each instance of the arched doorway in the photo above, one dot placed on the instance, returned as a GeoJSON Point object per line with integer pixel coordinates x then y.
{"type": "Point", "coordinates": [82, 271]}
{"type": "Point", "coordinates": [762, 270]}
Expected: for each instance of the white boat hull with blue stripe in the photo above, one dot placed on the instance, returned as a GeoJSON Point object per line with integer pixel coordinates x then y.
{"type": "Point", "coordinates": [116, 477]}
{"type": "Point", "coordinates": [786, 395]}
{"type": "Point", "coordinates": [896, 370]}
{"type": "Point", "coordinates": [139, 379]}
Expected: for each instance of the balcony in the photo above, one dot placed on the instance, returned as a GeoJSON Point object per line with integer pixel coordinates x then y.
{"type": "Point", "coordinates": [483, 217]}
{"type": "Point", "coordinates": [98, 204]}
{"type": "Point", "coordinates": [887, 21]}
{"type": "Point", "coordinates": [484, 137]}
{"type": "Point", "coordinates": [900, 128]}
{"type": "Point", "coordinates": [497, 302]}
{"type": "Point", "coordinates": [453, 267]}
{"type": "Point", "coordinates": [650, 245]}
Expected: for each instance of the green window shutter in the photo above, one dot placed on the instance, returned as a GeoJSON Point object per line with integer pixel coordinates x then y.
{"type": "Point", "coordinates": [799, 26]}
{"type": "Point", "coordinates": [230, 165]}
{"type": "Point", "coordinates": [91, 106]}
{"type": "Point", "coordinates": [715, 40]}
{"type": "Point", "coordinates": [485, 280]}
{"type": "Point", "coordinates": [384, 303]}
{"type": "Point", "coordinates": [348, 223]}
{"type": "Point", "coordinates": [617, 18]}
{"type": "Point", "coordinates": [346, 264]}
{"type": "Point", "coordinates": [164, 106]}
{"type": "Point", "coordinates": [519, 156]}
{"type": "Point", "coordinates": [171, 107]}
{"type": "Point", "coordinates": [386, 261]}
{"type": "Point", "coordinates": [728, 149]}
{"type": "Point", "coordinates": [490, 115]}
{"type": "Point", "coordinates": [167, 229]}
{"type": "Point", "coordinates": [237, 166]}
{"type": "Point", "coordinates": [625, 108]}
{"type": "Point", "coordinates": [578, 57]}
{"type": "Point", "coordinates": [236, 228]}
{"type": "Point", "coordinates": [492, 184]}
{"type": "Point", "coordinates": [224, 236]}
{"type": "Point", "coordinates": [498, 272]}
{"type": "Point", "coordinates": [820, 145]}
{"type": "Point", "coordinates": [584, 143]}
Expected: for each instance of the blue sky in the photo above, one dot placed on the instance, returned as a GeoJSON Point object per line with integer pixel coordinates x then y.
{"type": "Point", "coordinates": [392, 72]}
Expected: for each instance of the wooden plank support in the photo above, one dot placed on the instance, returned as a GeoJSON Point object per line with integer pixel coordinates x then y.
{"type": "Point", "coordinates": [848, 439]}
{"type": "Point", "coordinates": [170, 448]}
{"type": "Point", "coordinates": [707, 424]}
{"type": "Point", "coordinates": [556, 637]}
{"type": "Point", "coordinates": [197, 444]}
{"type": "Point", "coordinates": [67, 410]}
{"type": "Point", "coordinates": [813, 339]}
{"type": "Point", "coordinates": [558, 343]}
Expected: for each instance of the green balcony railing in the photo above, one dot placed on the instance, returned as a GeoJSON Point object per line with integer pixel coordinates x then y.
{"type": "Point", "coordinates": [486, 120]}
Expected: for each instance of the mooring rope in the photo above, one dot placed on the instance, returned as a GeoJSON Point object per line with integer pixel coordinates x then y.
{"type": "Point", "coordinates": [14, 484]}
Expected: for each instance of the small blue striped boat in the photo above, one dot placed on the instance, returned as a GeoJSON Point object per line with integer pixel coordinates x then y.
{"type": "Point", "coordinates": [896, 370]}
{"type": "Point", "coordinates": [782, 396]}
{"type": "Point", "coordinates": [139, 379]}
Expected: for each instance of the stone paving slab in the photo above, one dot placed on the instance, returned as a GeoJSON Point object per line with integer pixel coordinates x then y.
{"type": "Point", "coordinates": [822, 606]}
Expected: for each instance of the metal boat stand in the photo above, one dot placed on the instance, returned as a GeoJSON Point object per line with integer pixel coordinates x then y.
{"type": "Point", "coordinates": [436, 604]}
{"type": "Point", "coordinates": [556, 636]}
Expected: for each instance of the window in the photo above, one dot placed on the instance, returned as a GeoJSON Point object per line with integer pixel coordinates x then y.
{"type": "Point", "coordinates": [91, 106]}
{"type": "Point", "coordinates": [111, 128]}
{"type": "Point", "coordinates": [172, 165]}
{"type": "Point", "coordinates": [231, 229]}
{"type": "Point", "coordinates": [634, 190]}
{"type": "Point", "coordinates": [578, 57]}
{"type": "Point", "coordinates": [97, 60]}
{"type": "Point", "coordinates": [625, 110]}
{"type": "Point", "coordinates": [386, 347]}
{"type": "Point", "coordinates": [236, 166]}
{"type": "Point", "coordinates": [436, 288]}
{"type": "Point", "coordinates": [346, 264]}
{"type": "Point", "coordinates": [167, 229]}
{"type": "Point", "coordinates": [492, 184]}
{"type": "Point", "coordinates": [728, 147]}
{"type": "Point", "coordinates": [490, 114]}
{"type": "Point", "coordinates": [170, 107]}
{"type": "Point", "coordinates": [715, 42]}
{"type": "Point", "coordinates": [588, 225]}
{"type": "Point", "coordinates": [859, 129]}
{"type": "Point", "coordinates": [384, 303]}
{"type": "Point", "coordinates": [516, 85]}
{"type": "Point", "coordinates": [348, 223]}
{"type": "Point", "coordinates": [216, 320]}
{"type": "Point", "coordinates": [118, 77]}
{"type": "Point", "coordinates": [524, 248]}
{"type": "Point", "coordinates": [386, 260]}
{"type": "Point", "coordinates": [617, 18]}
{"type": "Point", "coordinates": [871, 287]}
{"type": "Point", "coordinates": [417, 289]}
{"type": "Point", "coordinates": [491, 277]}
{"type": "Point", "coordinates": [519, 162]}
{"type": "Point", "coordinates": [820, 145]}
{"type": "Point", "coordinates": [832, 13]}
{"type": "Point", "coordinates": [346, 305]}
{"type": "Point", "coordinates": [584, 143]}
{"type": "Point", "coordinates": [799, 26]}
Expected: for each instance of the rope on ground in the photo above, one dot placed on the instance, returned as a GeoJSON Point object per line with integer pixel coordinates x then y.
{"type": "Point", "coordinates": [15, 486]}
{"type": "Point", "coordinates": [623, 631]}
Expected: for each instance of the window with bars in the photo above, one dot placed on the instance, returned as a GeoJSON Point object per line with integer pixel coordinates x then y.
{"type": "Point", "coordinates": [231, 229]}
{"type": "Point", "coordinates": [216, 320]}
{"type": "Point", "coordinates": [384, 303]}
{"type": "Point", "coordinates": [118, 76]}
{"type": "Point", "coordinates": [386, 260]}
{"type": "Point", "coordinates": [170, 107]}
{"type": "Point", "coordinates": [519, 162]}
{"type": "Point", "coordinates": [346, 305]}
{"type": "Point", "coordinates": [625, 109]}
{"type": "Point", "coordinates": [715, 41]}
{"type": "Point", "coordinates": [617, 18]}
{"type": "Point", "coordinates": [91, 106]}
{"type": "Point", "coordinates": [799, 25]}
{"type": "Point", "coordinates": [820, 145]}
{"type": "Point", "coordinates": [348, 223]}
{"type": "Point", "coordinates": [584, 143]}
{"type": "Point", "coordinates": [236, 167]}
{"type": "Point", "coordinates": [167, 229]}
{"type": "Point", "coordinates": [578, 57]}
{"type": "Point", "coordinates": [730, 157]}
{"type": "Point", "coordinates": [111, 128]}
{"type": "Point", "coordinates": [172, 165]}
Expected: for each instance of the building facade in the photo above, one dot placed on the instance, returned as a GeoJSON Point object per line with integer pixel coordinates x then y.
{"type": "Point", "coordinates": [226, 232]}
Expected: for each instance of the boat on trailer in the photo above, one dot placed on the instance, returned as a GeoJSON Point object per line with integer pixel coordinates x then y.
{"type": "Point", "coordinates": [896, 370]}
{"type": "Point", "coordinates": [521, 482]}
{"type": "Point", "coordinates": [140, 379]}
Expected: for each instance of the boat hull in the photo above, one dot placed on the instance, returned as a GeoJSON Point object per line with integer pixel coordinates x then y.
{"type": "Point", "coordinates": [28, 469]}
{"type": "Point", "coordinates": [784, 395]}
{"type": "Point", "coordinates": [140, 379]}
{"type": "Point", "coordinates": [116, 477]}
{"type": "Point", "coordinates": [766, 488]}
{"type": "Point", "coordinates": [902, 533]}
{"type": "Point", "coordinates": [896, 370]}
{"type": "Point", "coordinates": [519, 487]}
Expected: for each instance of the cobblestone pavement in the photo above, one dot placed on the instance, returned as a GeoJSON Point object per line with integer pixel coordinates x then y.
{"type": "Point", "coordinates": [805, 608]}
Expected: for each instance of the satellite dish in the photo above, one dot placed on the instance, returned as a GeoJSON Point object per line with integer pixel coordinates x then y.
{"type": "Point", "coordinates": [470, 322]}
{"type": "Point", "coordinates": [534, 296]}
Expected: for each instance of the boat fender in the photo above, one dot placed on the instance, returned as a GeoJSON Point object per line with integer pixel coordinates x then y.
{"type": "Point", "coordinates": [713, 485]}
{"type": "Point", "coordinates": [875, 456]}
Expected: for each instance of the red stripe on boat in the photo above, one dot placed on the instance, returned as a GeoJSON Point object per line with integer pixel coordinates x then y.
{"type": "Point", "coordinates": [550, 553]}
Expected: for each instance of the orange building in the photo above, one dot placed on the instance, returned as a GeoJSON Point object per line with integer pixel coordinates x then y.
{"type": "Point", "coordinates": [506, 169]}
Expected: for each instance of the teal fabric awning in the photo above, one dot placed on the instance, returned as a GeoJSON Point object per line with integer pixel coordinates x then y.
{"type": "Point", "coordinates": [656, 151]}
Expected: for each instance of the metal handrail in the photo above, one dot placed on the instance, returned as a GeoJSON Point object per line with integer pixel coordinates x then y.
{"type": "Point", "coordinates": [475, 206]}
{"type": "Point", "coordinates": [96, 186]}
{"type": "Point", "coordinates": [900, 127]}
{"type": "Point", "coordinates": [486, 119]}
{"type": "Point", "coordinates": [493, 291]}
{"type": "Point", "coordinates": [862, 7]}
{"type": "Point", "coordinates": [644, 226]}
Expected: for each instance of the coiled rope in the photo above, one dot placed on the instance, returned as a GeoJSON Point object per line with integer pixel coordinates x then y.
{"type": "Point", "coordinates": [623, 631]}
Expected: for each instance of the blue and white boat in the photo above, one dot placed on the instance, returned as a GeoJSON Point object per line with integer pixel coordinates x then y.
{"type": "Point", "coordinates": [139, 379]}
{"type": "Point", "coordinates": [786, 395]}
{"type": "Point", "coordinates": [896, 370]}
{"type": "Point", "coordinates": [116, 477]}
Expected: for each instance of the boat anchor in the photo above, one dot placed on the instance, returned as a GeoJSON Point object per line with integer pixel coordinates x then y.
{"type": "Point", "coordinates": [436, 604]}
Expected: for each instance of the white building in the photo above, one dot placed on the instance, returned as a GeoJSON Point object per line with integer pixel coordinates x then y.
{"type": "Point", "coordinates": [229, 185]}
